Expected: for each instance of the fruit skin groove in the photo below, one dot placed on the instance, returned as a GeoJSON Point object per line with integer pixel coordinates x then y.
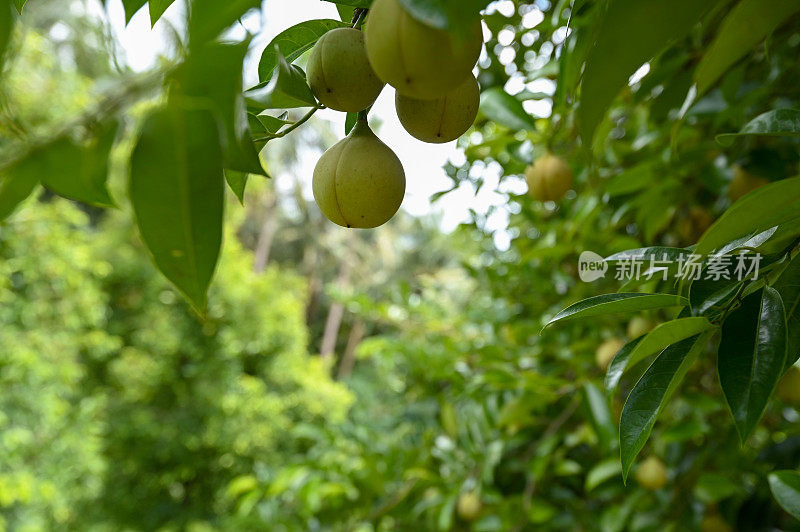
{"type": "Point", "coordinates": [418, 60]}
{"type": "Point", "coordinates": [443, 119]}
{"type": "Point", "coordinates": [359, 182]}
{"type": "Point", "coordinates": [339, 73]}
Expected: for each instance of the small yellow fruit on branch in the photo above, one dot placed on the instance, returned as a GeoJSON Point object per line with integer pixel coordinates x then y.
{"type": "Point", "coordinates": [339, 73]}
{"type": "Point", "coordinates": [651, 474]}
{"type": "Point", "coordinates": [416, 59]}
{"type": "Point", "coordinates": [549, 178]}
{"type": "Point", "coordinates": [442, 119]}
{"type": "Point", "coordinates": [359, 182]}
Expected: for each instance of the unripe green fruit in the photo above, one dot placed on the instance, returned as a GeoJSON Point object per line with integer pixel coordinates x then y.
{"type": "Point", "coordinates": [638, 326]}
{"type": "Point", "coordinates": [469, 506]}
{"type": "Point", "coordinates": [715, 523]}
{"type": "Point", "coordinates": [606, 351]}
{"type": "Point", "coordinates": [442, 119]}
{"type": "Point", "coordinates": [339, 74]}
{"type": "Point", "coordinates": [549, 178]}
{"type": "Point", "coordinates": [359, 182]}
{"type": "Point", "coordinates": [651, 474]}
{"type": "Point", "coordinates": [789, 387]}
{"type": "Point", "coordinates": [418, 60]}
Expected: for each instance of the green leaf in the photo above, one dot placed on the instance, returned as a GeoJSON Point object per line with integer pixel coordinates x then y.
{"type": "Point", "coordinates": [614, 303]}
{"type": "Point", "coordinates": [788, 286]}
{"type": "Point", "coordinates": [711, 488]}
{"type": "Point", "coordinates": [506, 110]}
{"type": "Point", "coordinates": [777, 123]}
{"type": "Point", "coordinates": [237, 181]}
{"type": "Point", "coordinates": [210, 17]}
{"type": "Point", "coordinates": [157, 8]}
{"type": "Point", "coordinates": [7, 20]}
{"type": "Point", "coordinates": [79, 170]}
{"type": "Point", "coordinates": [765, 207]}
{"type": "Point", "coordinates": [605, 470]}
{"type": "Point", "coordinates": [18, 181]}
{"type": "Point", "coordinates": [292, 43]}
{"type": "Point", "coordinates": [350, 121]}
{"type": "Point", "coordinates": [600, 415]}
{"type": "Point", "coordinates": [444, 14]}
{"type": "Point", "coordinates": [214, 71]}
{"type": "Point", "coordinates": [353, 3]}
{"type": "Point", "coordinates": [132, 7]}
{"type": "Point", "coordinates": [19, 4]}
{"type": "Point", "coordinates": [632, 180]}
{"type": "Point", "coordinates": [177, 191]}
{"type": "Point", "coordinates": [653, 342]}
{"type": "Point", "coordinates": [345, 13]}
{"type": "Point", "coordinates": [747, 24]}
{"type": "Point", "coordinates": [630, 33]}
{"type": "Point", "coordinates": [785, 486]}
{"type": "Point", "coordinates": [651, 393]}
{"type": "Point", "coordinates": [752, 354]}
{"type": "Point", "coordinates": [287, 89]}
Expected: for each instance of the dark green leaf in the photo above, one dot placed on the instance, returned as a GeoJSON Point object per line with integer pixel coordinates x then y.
{"type": "Point", "coordinates": [7, 20]}
{"type": "Point", "coordinates": [292, 42]}
{"type": "Point", "coordinates": [777, 123]}
{"type": "Point", "coordinates": [132, 7]}
{"type": "Point", "coordinates": [345, 13]}
{"type": "Point", "coordinates": [210, 17]}
{"type": "Point", "coordinates": [747, 24]}
{"type": "Point", "coordinates": [18, 180]}
{"type": "Point", "coordinates": [272, 124]}
{"type": "Point", "coordinates": [621, 302]}
{"type": "Point", "coordinates": [633, 179]}
{"type": "Point", "coordinates": [237, 181]}
{"type": "Point", "coordinates": [19, 4]}
{"type": "Point", "coordinates": [651, 393]}
{"type": "Point", "coordinates": [788, 286]}
{"type": "Point", "coordinates": [79, 170]}
{"type": "Point", "coordinates": [287, 89]}
{"type": "Point", "coordinates": [785, 486]}
{"type": "Point", "coordinates": [177, 191]}
{"type": "Point", "coordinates": [214, 71]}
{"type": "Point", "coordinates": [157, 8]}
{"type": "Point", "coordinates": [444, 14]}
{"type": "Point", "coordinates": [752, 354]}
{"type": "Point", "coordinates": [630, 33]}
{"type": "Point", "coordinates": [758, 211]}
{"type": "Point", "coordinates": [506, 110]}
{"type": "Point", "coordinates": [600, 415]}
{"type": "Point", "coordinates": [653, 342]}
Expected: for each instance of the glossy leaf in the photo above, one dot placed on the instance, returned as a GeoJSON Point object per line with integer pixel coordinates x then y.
{"type": "Point", "coordinates": [444, 14]}
{"type": "Point", "coordinates": [214, 72]}
{"type": "Point", "coordinates": [79, 170]}
{"type": "Point", "coordinates": [765, 207]}
{"type": "Point", "coordinates": [785, 487]}
{"type": "Point", "coordinates": [777, 123]}
{"type": "Point", "coordinates": [788, 286]}
{"type": "Point", "coordinates": [176, 188]}
{"type": "Point", "coordinates": [631, 33]}
{"type": "Point", "coordinates": [210, 17]}
{"type": "Point", "coordinates": [651, 393]}
{"type": "Point", "coordinates": [287, 89]}
{"type": "Point", "coordinates": [615, 303]}
{"type": "Point", "coordinates": [292, 43]}
{"type": "Point", "coordinates": [157, 8]}
{"type": "Point", "coordinates": [653, 342]}
{"type": "Point", "coordinates": [237, 181]}
{"type": "Point", "coordinates": [748, 23]}
{"type": "Point", "coordinates": [506, 110]}
{"type": "Point", "coordinates": [752, 354]}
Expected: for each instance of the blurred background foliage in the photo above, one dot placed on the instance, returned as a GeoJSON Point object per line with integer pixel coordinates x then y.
{"type": "Point", "coordinates": [385, 380]}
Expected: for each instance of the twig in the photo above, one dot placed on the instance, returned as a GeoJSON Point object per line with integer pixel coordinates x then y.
{"type": "Point", "coordinates": [294, 126]}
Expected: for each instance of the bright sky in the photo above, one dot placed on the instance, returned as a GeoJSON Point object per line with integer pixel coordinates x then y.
{"type": "Point", "coordinates": [422, 162]}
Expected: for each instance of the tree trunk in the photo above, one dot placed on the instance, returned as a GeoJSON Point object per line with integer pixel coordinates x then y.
{"type": "Point", "coordinates": [335, 315]}
{"type": "Point", "coordinates": [349, 356]}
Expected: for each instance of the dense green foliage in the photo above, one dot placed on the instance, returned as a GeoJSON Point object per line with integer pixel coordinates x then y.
{"type": "Point", "coordinates": [172, 358]}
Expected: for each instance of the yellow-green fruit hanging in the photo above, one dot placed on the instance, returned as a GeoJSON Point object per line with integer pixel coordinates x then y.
{"type": "Point", "coordinates": [651, 474]}
{"type": "Point", "coordinates": [418, 60]}
{"type": "Point", "coordinates": [549, 178]}
{"type": "Point", "coordinates": [789, 386]}
{"type": "Point", "coordinates": [359, 182]}
{"type": "Point", "coordinates": [441, 119]}
{"type": "Point", "coordinates": [606, 351]}
{"type": "Point", "coordinates": [469, 506]}
{"type": "Point", "coordinates": [339, 73]}
{"type": "Point", "coordinates": [714, 523]}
